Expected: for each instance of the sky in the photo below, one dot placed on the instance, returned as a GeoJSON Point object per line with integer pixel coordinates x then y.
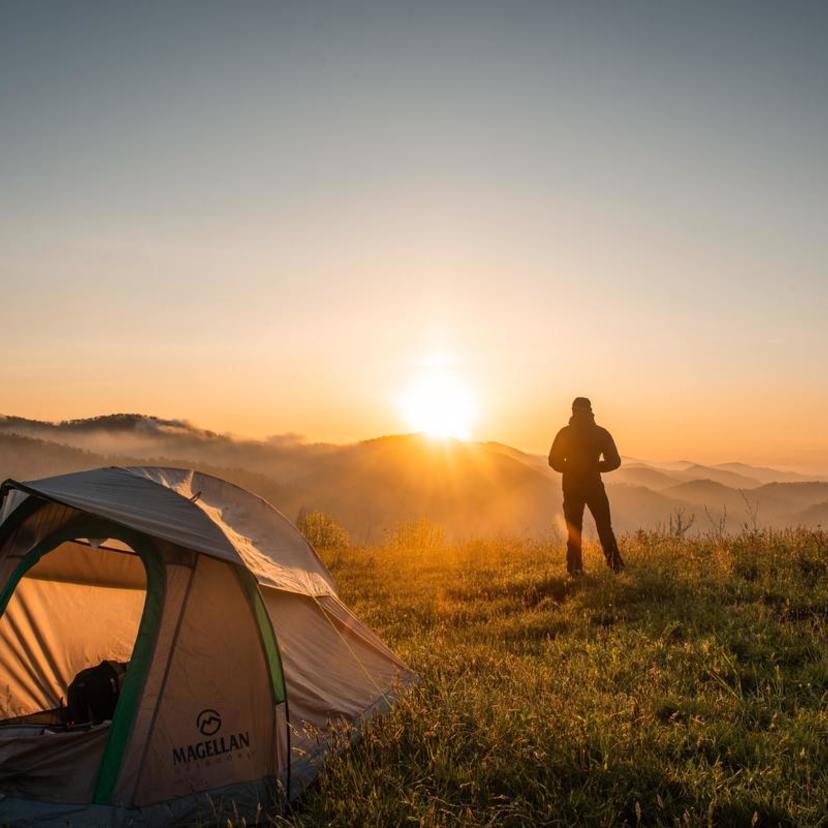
{"type": "Point", "coordinates": [282, 217]}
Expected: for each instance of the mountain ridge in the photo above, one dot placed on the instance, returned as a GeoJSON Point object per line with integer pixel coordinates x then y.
{"type": "Point", "coordinates": [471, 488]}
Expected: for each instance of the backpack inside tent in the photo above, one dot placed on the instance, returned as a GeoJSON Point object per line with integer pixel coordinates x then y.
{"type": "Point", "coordinates": [168, 642]}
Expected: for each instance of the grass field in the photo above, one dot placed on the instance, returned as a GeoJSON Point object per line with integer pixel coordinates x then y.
{"type": "Point", "coordinates": [690, 690]}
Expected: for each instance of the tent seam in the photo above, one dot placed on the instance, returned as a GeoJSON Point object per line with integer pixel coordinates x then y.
{"type": "Point", "coordinates": [167, 668]}
{"type": "Point", "coordinates": [258, 497]}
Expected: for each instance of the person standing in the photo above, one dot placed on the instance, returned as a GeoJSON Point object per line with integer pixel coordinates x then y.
{"type": "Point", "coordinates": [582, 451]}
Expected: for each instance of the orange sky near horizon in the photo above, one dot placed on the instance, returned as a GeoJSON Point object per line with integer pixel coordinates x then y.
{"type": "Point", "coordinates": [511, 406]}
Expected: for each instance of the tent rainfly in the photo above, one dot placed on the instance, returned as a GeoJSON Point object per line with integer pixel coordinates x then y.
{"type": "Point", "coordinates": [230, 658]}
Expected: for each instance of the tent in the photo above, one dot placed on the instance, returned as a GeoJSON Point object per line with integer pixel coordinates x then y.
{"type": "Point", "coordinates": [240, 659]}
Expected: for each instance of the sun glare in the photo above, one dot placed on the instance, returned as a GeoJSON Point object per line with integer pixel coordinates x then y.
{"type": "Point", "coordinates": [440, 406]}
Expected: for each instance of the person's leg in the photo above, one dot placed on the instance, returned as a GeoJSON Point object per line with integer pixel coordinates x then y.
{"type": "Point", "coordinates": [599, 506]}
{"type": "Point", "coordinates": [573, 508]}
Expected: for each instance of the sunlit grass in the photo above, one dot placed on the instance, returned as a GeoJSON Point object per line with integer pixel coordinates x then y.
{"type": "Point", "coordinates": [692, 689]}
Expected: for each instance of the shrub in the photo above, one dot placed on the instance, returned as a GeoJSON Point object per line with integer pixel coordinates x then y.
{"type": "Point", "coordinates": [321, 531]}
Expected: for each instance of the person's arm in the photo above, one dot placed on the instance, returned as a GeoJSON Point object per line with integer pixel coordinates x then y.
{"type": "Point", "coordinates": [612, 459]}
{"type": "Point", "coordinates": [557, 454]}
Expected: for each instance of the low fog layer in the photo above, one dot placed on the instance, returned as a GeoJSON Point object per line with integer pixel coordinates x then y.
{"type": "Point", "coordinates": [372, 486]}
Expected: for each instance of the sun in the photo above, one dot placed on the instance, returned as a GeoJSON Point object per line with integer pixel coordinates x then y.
{"type": "Point", "coordinates": [439, 405]}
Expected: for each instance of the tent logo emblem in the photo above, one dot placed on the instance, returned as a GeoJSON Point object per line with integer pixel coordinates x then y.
{"type": "Point", "coordinates": [208, 722]}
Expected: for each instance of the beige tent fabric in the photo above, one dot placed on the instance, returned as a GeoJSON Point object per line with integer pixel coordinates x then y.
{"type": "Point", "coordinates": [336, 609]}
{"type": "Point", "coordinates": [331, 671]}
{"type": "Point", "coordinates": [38, 526]}
{"type": "Point", "coordinates": [218, 673]}
{"type": "Point", "coordinates": [56, 767]}
{"type": "Point", "coordinates": [198, 512]}
{"type": "Point", "coordinates": [135, 501]}
{"type": "Point", "coordinates": [53, 629]}
{"type": "Point", "coordinates": [268, 544]}
{"type": "Point", "coordinates": [178, 579]}
{"type": "Point", "coordinates": [79, 563]}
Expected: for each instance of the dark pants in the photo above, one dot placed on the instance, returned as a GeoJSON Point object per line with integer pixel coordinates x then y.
{"type": "Point", "coordinates": [594, 496]}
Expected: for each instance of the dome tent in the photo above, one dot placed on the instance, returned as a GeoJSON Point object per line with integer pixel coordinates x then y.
{"type": "Point", "coordinates": [240, 657]}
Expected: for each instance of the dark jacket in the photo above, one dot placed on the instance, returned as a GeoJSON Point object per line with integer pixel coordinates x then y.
{"type": "Point", "coordinates": [578, 451]}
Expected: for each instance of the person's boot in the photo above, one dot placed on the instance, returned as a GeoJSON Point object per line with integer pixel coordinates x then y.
{"type": "Point", "coordinates": [614, 561]}
{"type": "Point", "coordinates": [574, 562]}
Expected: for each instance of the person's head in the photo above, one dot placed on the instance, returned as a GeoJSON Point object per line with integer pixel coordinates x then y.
{"type": "Point", "coordinates": [581, 405]}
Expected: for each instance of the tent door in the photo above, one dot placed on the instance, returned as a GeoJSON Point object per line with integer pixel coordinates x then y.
{"type": "Point", "coordinates": [87, 593]}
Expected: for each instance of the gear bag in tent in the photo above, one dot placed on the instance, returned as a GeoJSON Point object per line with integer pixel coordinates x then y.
{"type": "Point", "coordinates": [94, 692]}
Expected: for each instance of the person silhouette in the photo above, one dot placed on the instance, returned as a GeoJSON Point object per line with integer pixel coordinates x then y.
{"type": "Point", "coordinates": [581, 451]}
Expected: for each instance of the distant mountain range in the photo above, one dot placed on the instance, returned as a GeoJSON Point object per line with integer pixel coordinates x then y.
{"type": "Point", "coordinates": [372, 486]}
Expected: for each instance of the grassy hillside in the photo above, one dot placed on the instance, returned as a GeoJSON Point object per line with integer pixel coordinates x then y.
{"type": "Point", "coordinates": [691, 690]}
